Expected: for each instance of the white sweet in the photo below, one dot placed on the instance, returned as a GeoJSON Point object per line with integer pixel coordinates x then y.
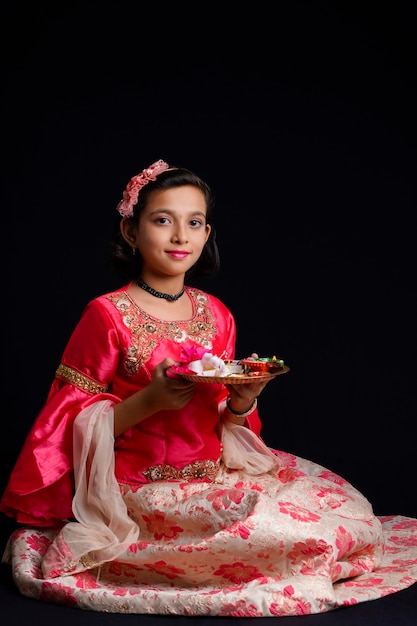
{"type": "Point", "coordinates": [213, 362]}
{"type": "Point", "coordinates": [212, 365]}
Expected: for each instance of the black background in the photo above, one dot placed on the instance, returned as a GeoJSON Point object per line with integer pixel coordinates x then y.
{"type": "Point", "coordinates": [301, 115]}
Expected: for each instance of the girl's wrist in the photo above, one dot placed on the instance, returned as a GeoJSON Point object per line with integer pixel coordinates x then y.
{"type": "Point", "coordinates": [241, 415]}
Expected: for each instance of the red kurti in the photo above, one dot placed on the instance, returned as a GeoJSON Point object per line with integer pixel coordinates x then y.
{"type": "Point", "coordinates": [110, 355]}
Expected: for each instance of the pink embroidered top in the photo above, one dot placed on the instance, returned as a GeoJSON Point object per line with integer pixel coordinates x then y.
{"type": "Point", "coordinates": [111, 354]}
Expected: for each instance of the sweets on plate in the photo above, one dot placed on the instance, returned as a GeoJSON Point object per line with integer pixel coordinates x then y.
{"type": "Point", "coordinates": [266, 365]}
{"type": "Point", "coordinates": [198, 362]}
{"type": "Point", "coordinates": [212, 365]}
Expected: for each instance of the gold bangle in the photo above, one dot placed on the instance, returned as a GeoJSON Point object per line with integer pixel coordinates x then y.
{"type": "Point", "coordinates": [242, 413]}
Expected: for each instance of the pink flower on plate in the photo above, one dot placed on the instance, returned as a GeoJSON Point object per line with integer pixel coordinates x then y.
{"type": "Point", "coordinates": [192, 353]}
{"type": "Point", "coordinates": [188, 354]}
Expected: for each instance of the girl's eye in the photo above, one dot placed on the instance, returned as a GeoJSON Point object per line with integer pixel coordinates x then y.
{"type": "Point", "coordinates": [195, 223]}
{"type": "Point", "coordinates": [162, 220]}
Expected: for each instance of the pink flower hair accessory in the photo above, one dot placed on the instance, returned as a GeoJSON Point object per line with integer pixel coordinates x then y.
{"type": "Point", "coordinates": [130, 194]}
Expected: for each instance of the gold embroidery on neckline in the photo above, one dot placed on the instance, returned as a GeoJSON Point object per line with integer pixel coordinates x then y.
{"type": "Point", "coordinates": [147, 331]}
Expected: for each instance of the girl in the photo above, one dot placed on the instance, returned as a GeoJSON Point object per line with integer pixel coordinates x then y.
{"type": "Point", "coordinates": [141, 491]}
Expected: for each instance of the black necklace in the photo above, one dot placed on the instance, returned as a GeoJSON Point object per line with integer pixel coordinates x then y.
{"type": "Point", "coordinates": [159, 294]}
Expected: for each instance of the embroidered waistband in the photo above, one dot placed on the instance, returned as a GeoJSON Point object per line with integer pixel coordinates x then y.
{"type": "Point", "coordinates": [79, 380]}
{"type": "Point", "coordinates": [199, 470]}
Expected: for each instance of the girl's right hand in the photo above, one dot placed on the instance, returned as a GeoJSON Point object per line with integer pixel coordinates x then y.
{"type": "Point", "coordinates": [162, 394]}
{"type": "Point", "coordinates": [169, 392]}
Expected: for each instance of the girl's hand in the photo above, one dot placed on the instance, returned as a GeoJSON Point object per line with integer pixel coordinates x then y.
{"type": "Point", "coordinates": [242, 397]}
{"type": "Point", "coordinates": [162, 393]}
{"type": "Point", "coordinates": [169, 392]}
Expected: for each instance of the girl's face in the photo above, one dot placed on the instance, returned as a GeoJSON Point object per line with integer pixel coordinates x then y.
{"type": "Point", "coordinates": [172, 230]}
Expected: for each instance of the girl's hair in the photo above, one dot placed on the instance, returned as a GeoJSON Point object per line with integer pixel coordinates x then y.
{"type": "Point", "coordinates": [128, 265]}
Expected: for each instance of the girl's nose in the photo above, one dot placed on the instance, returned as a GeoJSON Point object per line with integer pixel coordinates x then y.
{"type": "Point", "coordinates": [179, 235]}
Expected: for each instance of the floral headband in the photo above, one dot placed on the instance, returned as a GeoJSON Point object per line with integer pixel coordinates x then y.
{"type": "Point", "coordinates": [130, 194]}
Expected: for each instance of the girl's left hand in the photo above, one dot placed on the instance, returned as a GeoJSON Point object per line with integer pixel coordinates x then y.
{"type": "Point", "coordinates": [243, 396]}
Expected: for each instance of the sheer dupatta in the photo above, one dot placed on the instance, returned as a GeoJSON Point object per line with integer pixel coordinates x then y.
{"type": "Point", "coordinates": [244, 450]}
{"type": "Point", "coordinates": [103, 529]}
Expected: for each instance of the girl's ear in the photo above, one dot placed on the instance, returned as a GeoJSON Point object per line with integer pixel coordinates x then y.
{"type": "Point", "coordinates": [128, 231]}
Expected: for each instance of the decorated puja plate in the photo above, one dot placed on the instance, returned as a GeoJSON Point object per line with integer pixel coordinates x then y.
{"type": "Point", "coordinates": [211, 369]}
